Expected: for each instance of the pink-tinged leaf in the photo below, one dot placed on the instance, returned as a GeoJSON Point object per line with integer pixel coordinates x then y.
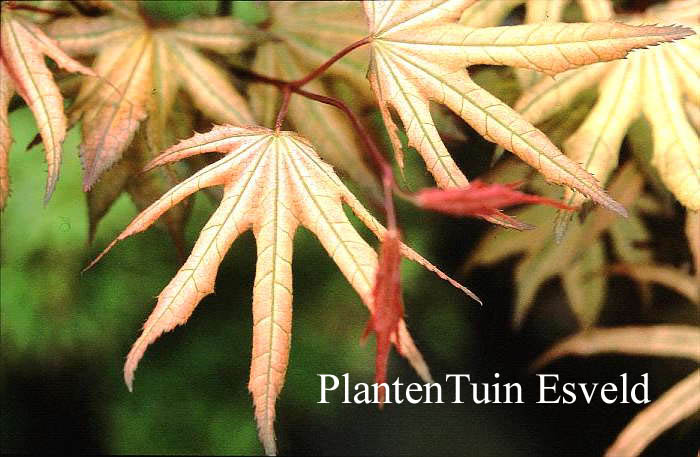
{"type": "Point", "coordinates": [388, 304]}
{"type": "Point", "coordinates": [113, 114]}
{"type": "Point", "coordinates": [273, 182]}
{"type": "Point", "coordinates": [23, 47]}
{"type": "Point", "coordinates": [479, 199]}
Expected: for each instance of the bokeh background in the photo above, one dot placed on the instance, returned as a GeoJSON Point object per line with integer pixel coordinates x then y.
{"type": "Point", "coordinates": [65, 334]}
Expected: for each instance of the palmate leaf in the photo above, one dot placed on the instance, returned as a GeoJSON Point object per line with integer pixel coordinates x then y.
{"type": "Point", "coordinates": [143, 69]}
{"type": "Point", "coordinates": [325, 126]}
{"type": "Point", "coordinates": [676, 404]}
{"type": "Point", "coordinates": [419, 54]}
{"type": "Point", "coordinates": [312, 32]}
{"type": "Point", "coordinates": [273, 182]}
{"type": "Point", "coordinates": [658, 82]}
{"type": "Point", "coordinates": [683, 282]}
{"type": "Point", "coordinates": [22, 69]}
{"type": "Point", "coordinates": [579, 260]}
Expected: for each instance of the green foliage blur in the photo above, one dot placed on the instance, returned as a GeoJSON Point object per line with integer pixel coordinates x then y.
{"type": "Point", "coordinates": [64, 334]}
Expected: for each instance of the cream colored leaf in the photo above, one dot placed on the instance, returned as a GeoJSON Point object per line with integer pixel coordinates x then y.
{"type": "Point", "coordinates": [655, 340]}
{"type": "Point", "coordinates": [265, 98]}
{"type": "Point", "coordinates": [419, 54]}
{"type": "Point", "coordinates": [78, 36]}
{"type": "Point", "coordinates": [678, 403]}
{"type": "Point", "coordinates": [24, 46]}
{"type": "Point", "coordinates": [220, 34]}
{"type": "Point", "coordinates": [596, 143]}
{"type": "Point", "coordinates": [676, 144]}
{"type": "Point", "coordinates": [487, 14]}
{"type": "Point", "coordinates": [273, 182]}
{"type": "Point", "coordinates": [209, 86]}
{"type": "Point", "coordinates": [550, 95]}
{"type": "Point", "coordinates": [326, 127]}
{"type": "Point", "coordinates": [315, 31]}
{"type": "Point", "coordinates": [597, 10]}
{"type": "Point", "coordinates": [549, 48]}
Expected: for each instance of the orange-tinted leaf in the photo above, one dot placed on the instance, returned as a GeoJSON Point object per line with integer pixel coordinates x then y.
{"type": "Point", "coordinates": [273, 182]}
{"type": "Point", "coordinates": [24, 46]}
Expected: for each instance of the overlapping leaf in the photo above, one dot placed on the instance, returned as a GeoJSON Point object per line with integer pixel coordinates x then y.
{"type": "Point", "coordinates": [143, 69]}
{"type": "Point", "coordinates": [22, 69]}
{"type": "Point", "coordinates": [658, 82]}
{"type": "Point", "coordinates": [419, 54]}
{"type": "Point", "coordinates": [327, 127]}
{"type": "Point", "coordinates": [273, 182]}
{"type": "Point", "coordinates": [678, 403]}
{"type": "Point", "coordinates": [580, 260]}
{"type": "Point", "coordinates": [682, 281]}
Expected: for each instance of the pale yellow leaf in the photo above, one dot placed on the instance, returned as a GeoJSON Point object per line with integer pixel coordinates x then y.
{"type": "Point", "coordinates": [220, 34]}
{"type": "Point", "coordinates": [78, 36]}
{"type": "Point", "coordinates": [655, 340]}
{"type": "Point", "coordinates": [315, 31]}
{"type": "Point", "coordinates": [487, 14]}
{"type": "Point", "coordinates": [209, 86]}
{"type": "Point", "coordinates": [676, 143]}
{"type": "Point", "coordinates": [596, 143]}
{"type": "Point", "coordinates": [419, 55]}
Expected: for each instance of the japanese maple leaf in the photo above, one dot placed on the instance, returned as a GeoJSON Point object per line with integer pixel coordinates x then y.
{"type": "Point", "coordinates": [143, 69]}
{"type": "Point", "coordinates": [273, 182]}
{"type": "Point", "coordinates": [659, 82]}
{"type": "Point", "coordinates": [682, 281]}
{"type": "Point", "coordinates": [23, 70]}
{"type": "Point", "coordinates": [678, 403]}
{"type": "Point", "coordinates": [419, 54]}
{"type": "Point", "coordinates": [580, 260]}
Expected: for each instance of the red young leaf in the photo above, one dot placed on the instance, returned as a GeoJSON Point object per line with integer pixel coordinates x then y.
{"type": "Point", "coordinates": [480, 199]}
{"type": "Point", "coordinates": [388, 304]}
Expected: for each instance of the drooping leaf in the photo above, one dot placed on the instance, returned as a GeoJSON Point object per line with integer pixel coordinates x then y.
{"type": "Point", "coordinates": [676, 404]}
{"type": "Point", "coordinates": [388, 304]}
{"type": "Point", "coordinates": [273, 182]}
{"type": "Point", "coordinates": [656, 81]}
{"type": "Point", "coordinates": [406, 74]}
{"type": "Point", "coordinates": [22, 68]}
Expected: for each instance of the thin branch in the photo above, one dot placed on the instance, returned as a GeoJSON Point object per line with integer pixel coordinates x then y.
{"type": "Point", "coordinates": [387, 172]}
{"type": "Point", "coordinates": [286, 96]}
{"type": "Point", "coordinates": [320, 70]}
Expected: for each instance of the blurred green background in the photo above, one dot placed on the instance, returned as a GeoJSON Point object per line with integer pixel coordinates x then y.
{"type": "Point", "coordinates": [65, 335]}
